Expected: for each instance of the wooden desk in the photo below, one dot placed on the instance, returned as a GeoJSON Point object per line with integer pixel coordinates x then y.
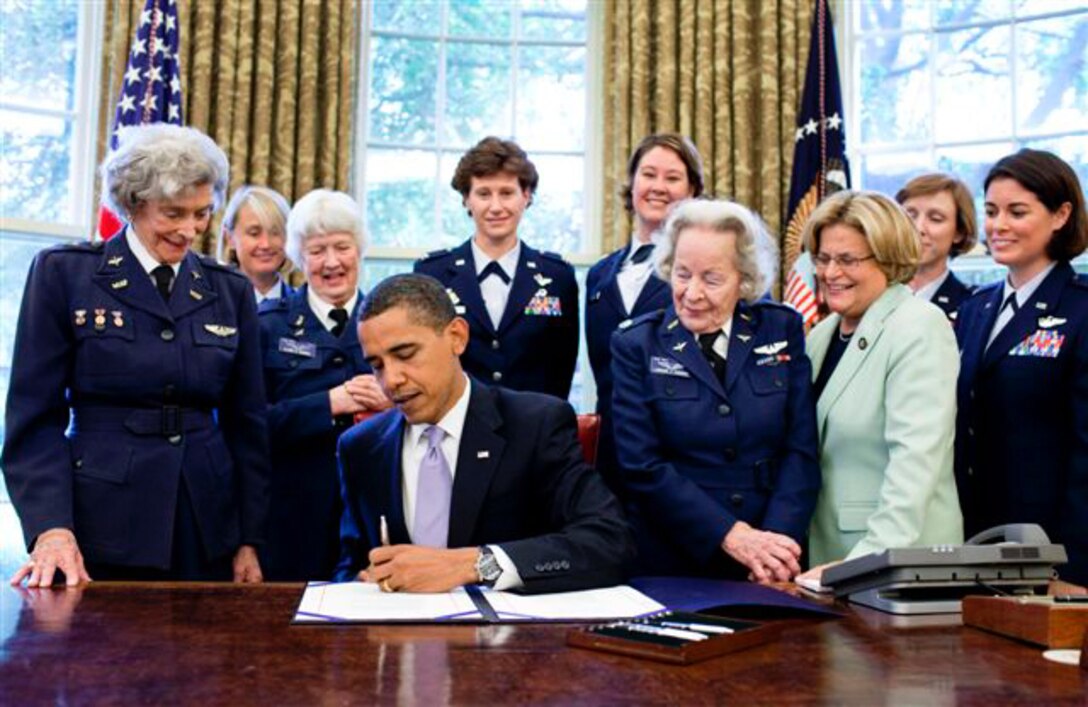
{"type": "Point", "coordinates": [170, 644]}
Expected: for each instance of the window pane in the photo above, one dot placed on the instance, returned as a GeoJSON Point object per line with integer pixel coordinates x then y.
{"type": "Point", "coordinates": [957, 12]}
{"type": "Point", "coordinates": [1052, 74]}
{"type": "Point", "coordinates": [400, 198]}
{"type": "Point", "coordinates": [553, 19]}
{"type": "Point", "coordinates": [457, 225]}
{"type": "Point", "coordinates": [971, 165]}
{"type": "Point", "coordinates": [477, 92]}
{"type": "Point", "coordinates": [1027, 8]}
{"type": "Point", "coordinates": [555, 219]}
{"type": "Point", "coordinates": [403, 82]}
{"type": "Point", "coordinates": [482, 18]}
{"type": "Point", "coordinates": [1073, 149]}
{"type": "Point", "coordinates": [894, 14]}
{"type": "Point", "coordinates": [374, 271]}
{"type": "Point", "coordinates": [895, 102]}
{"type": "Point", "coordinates": [38, 48]}
{"type": "Point", "coordinates": [407, 16]}
{"type": "Point", "coordinates": [973, 85]}
{"type": "Point", "coordinates": [34, 167]}
{"type": "Point", "coordinates": [551, 98]}
{"type": "Point", "coordinates": [886, 173]}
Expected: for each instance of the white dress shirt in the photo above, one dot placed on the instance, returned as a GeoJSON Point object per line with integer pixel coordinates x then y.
{"type": "Point", "coordinates": [274, 292]}
{"type": "Point", "coordinates": [414, 448]}
{"type": "Point", "coordinates": [495, 292]}
{"type": "Point", "coordinates": [927, 291]}
{"type": "Point", "coordinates": [321, 308]}
{"type": "Point", "coordinates": [144, 257]}
{"type": "Point", "coordinates": [721, 344]}
{"type": "Point", "coordinates": [634, 276]}
{"type": "Point", "coordinates": [1022, 296]}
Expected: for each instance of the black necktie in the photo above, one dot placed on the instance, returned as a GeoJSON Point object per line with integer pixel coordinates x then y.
{"type": "Point", "coordinates": [164, 277]}
{"type": "Point", "coordinates": [493, 268]}
{"type": "Point", "coordinates": [1010, 301]}
{"type": "Point", "coordinates": [717, 363]}
{"type": "Point", "coordinates": [642, 254]}
{"type": "Point", "coordinates": [340, 316]}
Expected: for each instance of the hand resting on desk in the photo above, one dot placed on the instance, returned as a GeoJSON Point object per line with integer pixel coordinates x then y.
{"type": "Point", "coordinates": [413, 568]}
{"type": "Point", "coordinates": [55, 549]}
{"type": "Point", "coordinates": [771, 557]}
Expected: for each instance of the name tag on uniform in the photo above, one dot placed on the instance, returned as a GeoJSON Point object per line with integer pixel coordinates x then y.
{"type": "Point", "coordinates": [543, 306]}
{"type": "Point", "coordinates": [1044, 343]}
{"type": "Point", "coordinates": [662, 366]}
{"type": "Point", "coordinates": [298, 348]}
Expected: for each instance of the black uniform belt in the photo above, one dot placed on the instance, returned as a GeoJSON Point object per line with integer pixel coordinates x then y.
{"type": "Point", "coordinates": [167, 420]}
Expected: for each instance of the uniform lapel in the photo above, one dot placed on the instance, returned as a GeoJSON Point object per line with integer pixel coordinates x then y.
{"type": "Point", "coordinates": [463, 282]}
{"type": "Point", "coordinates": [741, 339]}
{"type": "Point", "coordinates": [681, 345]}
{"type": "Point", "coordinates": [191, 288]}
{"type": "Point", "coordinates": [478, 458]}
{"type": "Point", "coordinates": [609, 287]}
{"type": "Point", "coordinates": [122, 277]}
{"type": "Point", "coordinates": [649, 292]}
{"type": "Point", "coordinates": [389, 492]}
{"type": "Point", "coordinates": [977, 332]}
{"type": "Point", "coordinates": [1042, 302]}
{"type": "Point", "coordinates": [524, 286]}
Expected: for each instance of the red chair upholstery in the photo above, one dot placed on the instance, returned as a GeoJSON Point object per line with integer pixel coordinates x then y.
{"type": "Point", "coordinates": [589, 430]}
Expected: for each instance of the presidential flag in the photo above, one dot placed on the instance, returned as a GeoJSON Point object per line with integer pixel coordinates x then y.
{"type": "Point", "coordinates": [151, 87]}
{"type": "Point", "coordinates": [819, 160]}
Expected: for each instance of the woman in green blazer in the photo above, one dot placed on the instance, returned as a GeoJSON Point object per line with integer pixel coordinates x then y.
{"type": "Point", "coordinates": [885, 366]}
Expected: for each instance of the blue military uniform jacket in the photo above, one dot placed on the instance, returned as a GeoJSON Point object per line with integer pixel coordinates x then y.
{"type": "Point", "coordinates": [536, 345]}
{"type": "Point", "coordinates": [604, 312]}
{"type": "Point", "coordinates": [1022, 425]}
{"type": "Point", "coordinates": [302, 361]}
{"type": "Point", "coordinates": [950, 295]}
{"type": "Point", "coordinates": [695, 455]}
{"type": "Point", "coordinates": [160, 394]}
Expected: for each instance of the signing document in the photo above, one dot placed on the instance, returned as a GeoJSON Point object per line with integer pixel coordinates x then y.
{"type": "Point", "coordinates": [362, 602]}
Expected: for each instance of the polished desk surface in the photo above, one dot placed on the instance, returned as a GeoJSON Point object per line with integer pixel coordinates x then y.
{"type": "Point", "coordinates": [215, 644]}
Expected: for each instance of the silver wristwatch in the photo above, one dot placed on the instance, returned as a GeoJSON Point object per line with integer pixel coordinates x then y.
{"type": "Point", "coordinates": [488, 569]}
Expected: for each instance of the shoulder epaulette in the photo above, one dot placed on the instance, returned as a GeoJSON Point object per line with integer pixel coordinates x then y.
{"type": "Point", "coordinates": [551, 255]}
{"type": "Point", "coordinates": [434, 254]}
{"type": "Point", "coordinates": [653, 317]}
{"type": "Point", "coordinates": [84, 246]}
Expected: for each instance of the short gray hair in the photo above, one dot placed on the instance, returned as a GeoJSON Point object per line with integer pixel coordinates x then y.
{"type": "Point", "coordinates": [161, 161]}
{"type": "Point", "coordinates": [268, 205]}
{"type": "Point", "coordinates": [320, 213]}
{"type": "Point", "coordinates": [757, 254]}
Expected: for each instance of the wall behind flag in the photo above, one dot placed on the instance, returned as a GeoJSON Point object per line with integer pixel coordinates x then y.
{"type": "Point", "coordinates": [271, 81]}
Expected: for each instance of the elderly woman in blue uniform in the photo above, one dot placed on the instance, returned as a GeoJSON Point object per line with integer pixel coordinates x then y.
{"type": "Point", "coordinates": [1022, 424]}
{"type": "Point", "coordinates": [317, 381]}
{"type": "Point", "coordinates": [254, 226]}
{"type": "Point", "coordinates": [521, 304]}
{"type": "Point", "coordinates": [714, 415]}
{"type": "Point", "coordinates": [943, 211]}
{"type": "Point", "coordinates": [664, 168]}
{"type": "Point", "coordinates": [136, 444]}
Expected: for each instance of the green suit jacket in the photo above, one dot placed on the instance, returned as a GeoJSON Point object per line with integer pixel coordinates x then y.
{"type": "Point", "coordinates": [887, 421]}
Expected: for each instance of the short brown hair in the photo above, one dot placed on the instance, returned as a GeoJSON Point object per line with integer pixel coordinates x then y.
{"type": "Point", "coordinates": [887, 229]}
{"type": "Point", "coordinates": [491, 156]}
{"type": "Point", "coordinates": [966, 220]}
{"type": "Point", "coordinates": [1053, 182]}
{"type": "Point", "coordinates": [683, 147]}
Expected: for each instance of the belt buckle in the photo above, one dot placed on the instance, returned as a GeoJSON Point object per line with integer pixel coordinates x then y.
{"type": "Point", "coordinates": [171, 420]}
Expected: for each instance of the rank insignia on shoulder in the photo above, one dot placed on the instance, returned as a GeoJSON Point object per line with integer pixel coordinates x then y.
{"type": "Point", "coordinates": [119, 284]}
{"type": "Point", "coordinates": [1050, 322]}
{"type": "Point", "coordinates": [196, 295]}
{"type": "Point", "coordinates": [115, 260]}
{"type": "Point", "coordinates": [221, 330]}
{"type": "Point", "coordinates": [80, 317]}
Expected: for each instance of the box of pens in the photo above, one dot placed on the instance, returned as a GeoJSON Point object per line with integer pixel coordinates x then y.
{"type": "Point", "coordinates": [674, 636]}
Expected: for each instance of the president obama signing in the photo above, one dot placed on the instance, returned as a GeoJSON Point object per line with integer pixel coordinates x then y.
{"type": "Point", "coordinates": [474, 484]}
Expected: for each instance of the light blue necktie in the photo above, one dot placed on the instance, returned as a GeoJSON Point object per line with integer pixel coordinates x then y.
{"type": "Point", "coordinates": [433, 491]}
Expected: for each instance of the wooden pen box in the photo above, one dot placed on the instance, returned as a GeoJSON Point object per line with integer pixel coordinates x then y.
{"type": "Point", "coordinates": [1037, 620]}
{"type": "Point", "coordinates": [615, 638]}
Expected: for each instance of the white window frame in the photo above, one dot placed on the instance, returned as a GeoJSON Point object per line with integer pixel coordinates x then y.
{"type": "Point", "coordinates": [592, 161]}
{"type": "Point", "coordinates": [84, 118]}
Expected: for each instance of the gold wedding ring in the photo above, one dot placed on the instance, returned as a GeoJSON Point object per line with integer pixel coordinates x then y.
{"type": "Point", "coordinates": [384, 584]}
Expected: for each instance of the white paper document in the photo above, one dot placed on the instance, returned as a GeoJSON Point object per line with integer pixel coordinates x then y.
{"type": "Point", "coordinates": [361, 602]}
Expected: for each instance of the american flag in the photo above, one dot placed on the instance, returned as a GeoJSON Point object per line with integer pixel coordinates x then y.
{"type": "Point", "coordinates": [151, 87]}
{"type": "Point", "coordinates": [819, 159]}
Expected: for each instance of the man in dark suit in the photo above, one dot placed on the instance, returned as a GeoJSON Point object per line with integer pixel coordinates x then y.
{"type": "Point", "coordinates": [470, 483]}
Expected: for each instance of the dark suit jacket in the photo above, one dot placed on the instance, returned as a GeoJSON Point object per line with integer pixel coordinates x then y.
{"type": "Point", "coordinates": [533, 349]}
{"type": "Point", "coordinates": [950, 295]}
{"type": "Point", "coordinates": [604, 312]}
{"type": "Point", "coordinates": [161, 394]}
{"type": "Point", "coordinates": [302, 361]}
{"type": "Point", "coordinates": [532, 494]}
{"type": "Point", "coordinates": [695, 455]}
{"type": "Point", "coordinates": [1022, 424]}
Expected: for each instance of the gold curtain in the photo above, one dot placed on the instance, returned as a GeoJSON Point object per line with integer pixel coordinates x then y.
{"type": "Point", "coordinates": [727, 73]}
{"type": "Point", "coordinates": [271, 81]}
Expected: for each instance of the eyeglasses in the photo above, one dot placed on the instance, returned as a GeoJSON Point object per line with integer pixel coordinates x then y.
{"type": "Point", "coordinates": [845, 262]}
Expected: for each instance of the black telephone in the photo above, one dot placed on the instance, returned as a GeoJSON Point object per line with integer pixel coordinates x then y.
{"type": "Point", "coordinates": [1009, 559]}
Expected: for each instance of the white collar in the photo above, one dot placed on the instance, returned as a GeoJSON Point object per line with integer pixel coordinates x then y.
{"type": "Point", "coordinates": [929, 289]}
{"type": "Point", "coordinates": [274, 292]}
{"type": "Point", "coordinates": [321, 308]}
{"type": "Point", "coordinates": [452, 423]}
{"type": "Point", "coordinates": [1024, 293]}
{"type": "Point", "coordinates": [143, 256]}
{"type": "Point", "coordinates": [508, 262]}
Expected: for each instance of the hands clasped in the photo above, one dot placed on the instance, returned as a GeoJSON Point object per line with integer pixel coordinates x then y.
{"type": "Point", "coordinates": [55, 549]}
{"type": "Point", "coordinates": [363, 392]}
{"type": "Point", "coordinates": [771, 557]}
{"type": "Point", "coordinates": [413, 568]}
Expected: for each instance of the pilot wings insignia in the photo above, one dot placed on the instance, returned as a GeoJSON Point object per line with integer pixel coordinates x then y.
{"type": "Point", "coordinates": [770, 349]}
{"type": "Point", "coordinates": [221, 330]}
